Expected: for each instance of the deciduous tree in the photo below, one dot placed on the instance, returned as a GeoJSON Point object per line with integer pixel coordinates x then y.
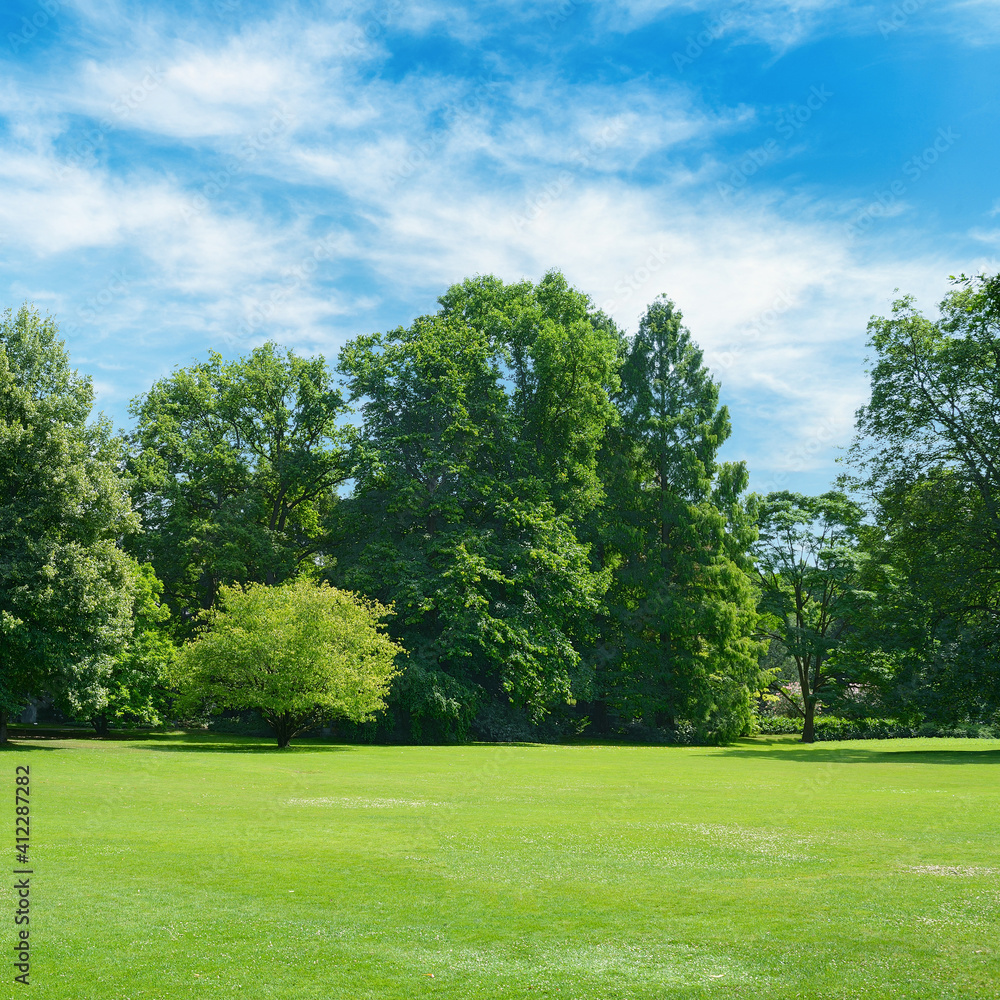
{"type": "Point", "coordinates": [236, 466]}
{"type": "Point", "coordinates": [478, 453]}
{"type": "Point", "coordinates": [298, 653]}
{"type": "Point", "coordinates": [66, 586]}
{"type": "Point", "coordinates": [810, 569]}
{"type": "Point", "coordinates": [928, 455]}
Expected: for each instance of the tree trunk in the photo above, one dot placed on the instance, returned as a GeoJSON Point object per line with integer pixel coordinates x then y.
{"type": "Point", "coordinates": [3, 727]}
{"type": "Point", "coordinates": [663, 719]}
{"type": "Point", "coordinates": [599, 716]}
{"type": "Point", "coordinates": [283, 729]}
{"type": "Point", "coordinates": [100, 723]}
{"type": "Point", "coordinates": [808, 725]}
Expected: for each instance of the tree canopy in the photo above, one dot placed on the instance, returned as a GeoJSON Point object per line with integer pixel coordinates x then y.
{"type": "Point", "coordinates": [298, 653]}
{"type": "Point", "coordinates": [928, 454]}
{"type": "Point", "coordinates": [66, 586]}
{"type": "Point", "coordinates": [809, 567]}
{"type": "Point", "coordinates": [682, 609]}
{"type": "Point", "coordinates": [236, 467]}
{"type": "Point", "coordinates": [540, 499]}
{"type": "Point", "coordinates": [476, 452]}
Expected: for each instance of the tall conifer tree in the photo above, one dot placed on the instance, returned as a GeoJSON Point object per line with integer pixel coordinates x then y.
{"type": "Point", "coordinates": [682, 606]}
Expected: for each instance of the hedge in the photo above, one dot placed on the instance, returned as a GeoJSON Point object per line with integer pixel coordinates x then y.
{"type": "Point", "coordinates": [831, 728]}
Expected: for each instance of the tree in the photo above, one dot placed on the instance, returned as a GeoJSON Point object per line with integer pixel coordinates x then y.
{"type": "Point", "coordinates": [66, 587]}
{"type": "Point", "coordinates": [137, 688]}
{"type": "Point", "coordinates": [682, 608]}
{"type": "Point", "coordinates": [809, 567]}
{"type": "Point", "coordinates": [298, 653]}
{"type": "Point", "coordinates": [557, 358]}
{"type": "Point", "coordinates": [935, 398]}
{"type": "Point", "coordinates": [927, 647]}
{"type": "Point", "coordinates": [236, 466]}
{"type": "Point", "coordinates": [478, 451]}
{"type": "Point", "coordinates": [928, 452]}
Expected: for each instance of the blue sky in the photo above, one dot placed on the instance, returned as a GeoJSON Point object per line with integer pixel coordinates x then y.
{"type": "Point", "coordinates": [179, 177]}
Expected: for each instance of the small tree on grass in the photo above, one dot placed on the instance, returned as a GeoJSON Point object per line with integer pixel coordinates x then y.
{"type": "Point", "coordinates": [297, 653]}
{"type": "Point", "coordinates": [809, 568]}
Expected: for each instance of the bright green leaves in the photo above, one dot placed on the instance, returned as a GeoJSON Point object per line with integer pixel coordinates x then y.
{"type": "Point", "coordinates": [298, 653]}
{"type": "Point", "coordinates": [66, 587]}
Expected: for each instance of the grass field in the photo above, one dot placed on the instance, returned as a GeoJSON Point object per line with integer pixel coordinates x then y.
{"type": "Point", "coordinates": [220, 867]}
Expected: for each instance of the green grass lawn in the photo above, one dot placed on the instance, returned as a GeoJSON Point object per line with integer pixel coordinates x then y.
{"type": "Point", "coordinates": [221, 867]}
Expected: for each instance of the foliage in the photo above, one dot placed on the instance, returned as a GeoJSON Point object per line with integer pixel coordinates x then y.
{"type": "Point", "coordinates": [481, 425]}
{"type": "Point", "coordinates": [809, 566]}
{"type": "Point", "coordinates": [66, 587]}
{"type": "Point", "coordinates": [682, 610]}
{"type": "Point", "coordinates": [236, 466]}
{"type": "Point", "coordinates": [541, 499]}
{"type": "Point", "coordinates": [831, 728]}
{"type": "Point", "coordinates": [935, 391]}
{"type": "Point", "coordinates": [298, 653]}
{"type": "Point", "coordinates": [557, 359]}
{"type": "Point", "coordinates": [926, 447]}
{"type": "Point", "coordinates": [778, 725]}
{"type": "Point", "coordinates": [138, 685]}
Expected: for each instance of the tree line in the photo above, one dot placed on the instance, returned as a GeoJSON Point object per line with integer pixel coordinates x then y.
{"type": "Point", "coordinates": [514, 522]}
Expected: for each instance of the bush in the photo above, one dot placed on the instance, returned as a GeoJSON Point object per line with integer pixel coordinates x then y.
{"type": "Point", "coordinates": [778, 725]}
{"type": "Point", "coordinates": [831, 728]}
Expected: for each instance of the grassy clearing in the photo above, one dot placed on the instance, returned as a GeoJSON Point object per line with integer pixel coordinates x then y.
{"type": "Point", "coordinates": [220, 867]}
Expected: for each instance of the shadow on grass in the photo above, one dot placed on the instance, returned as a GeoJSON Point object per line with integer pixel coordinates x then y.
{"type": "Point", "coordinates": [14, 744]}
{"type": "Point", "coordinates": [220, 743]}
{"type": "Point", "coordinates": [174, 742]}
{"type": "Point", "coordinates": [48, 733]}
{"type": "Point", "coordinates": [818, 753]}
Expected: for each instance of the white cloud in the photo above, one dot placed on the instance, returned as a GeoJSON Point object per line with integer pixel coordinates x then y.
{"type": "Point", "coordinates": [411, 183]}
{"type": "Point", "coordinates": [976, 22]}
{"type": "Point", "coordinates": [780, 24]}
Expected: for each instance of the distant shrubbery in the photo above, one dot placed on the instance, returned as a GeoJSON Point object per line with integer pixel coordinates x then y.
{"type": "Point", "coordinates": [830, 728]}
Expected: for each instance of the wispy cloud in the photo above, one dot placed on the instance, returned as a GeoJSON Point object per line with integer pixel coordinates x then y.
{"type": "Point", "coordinates": [171, 185]}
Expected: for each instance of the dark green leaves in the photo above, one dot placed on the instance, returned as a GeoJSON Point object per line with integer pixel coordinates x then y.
{"type": "Point", "coordinates": [675, 529]}
{"type": "Point", "coordinates": [481, 430]}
